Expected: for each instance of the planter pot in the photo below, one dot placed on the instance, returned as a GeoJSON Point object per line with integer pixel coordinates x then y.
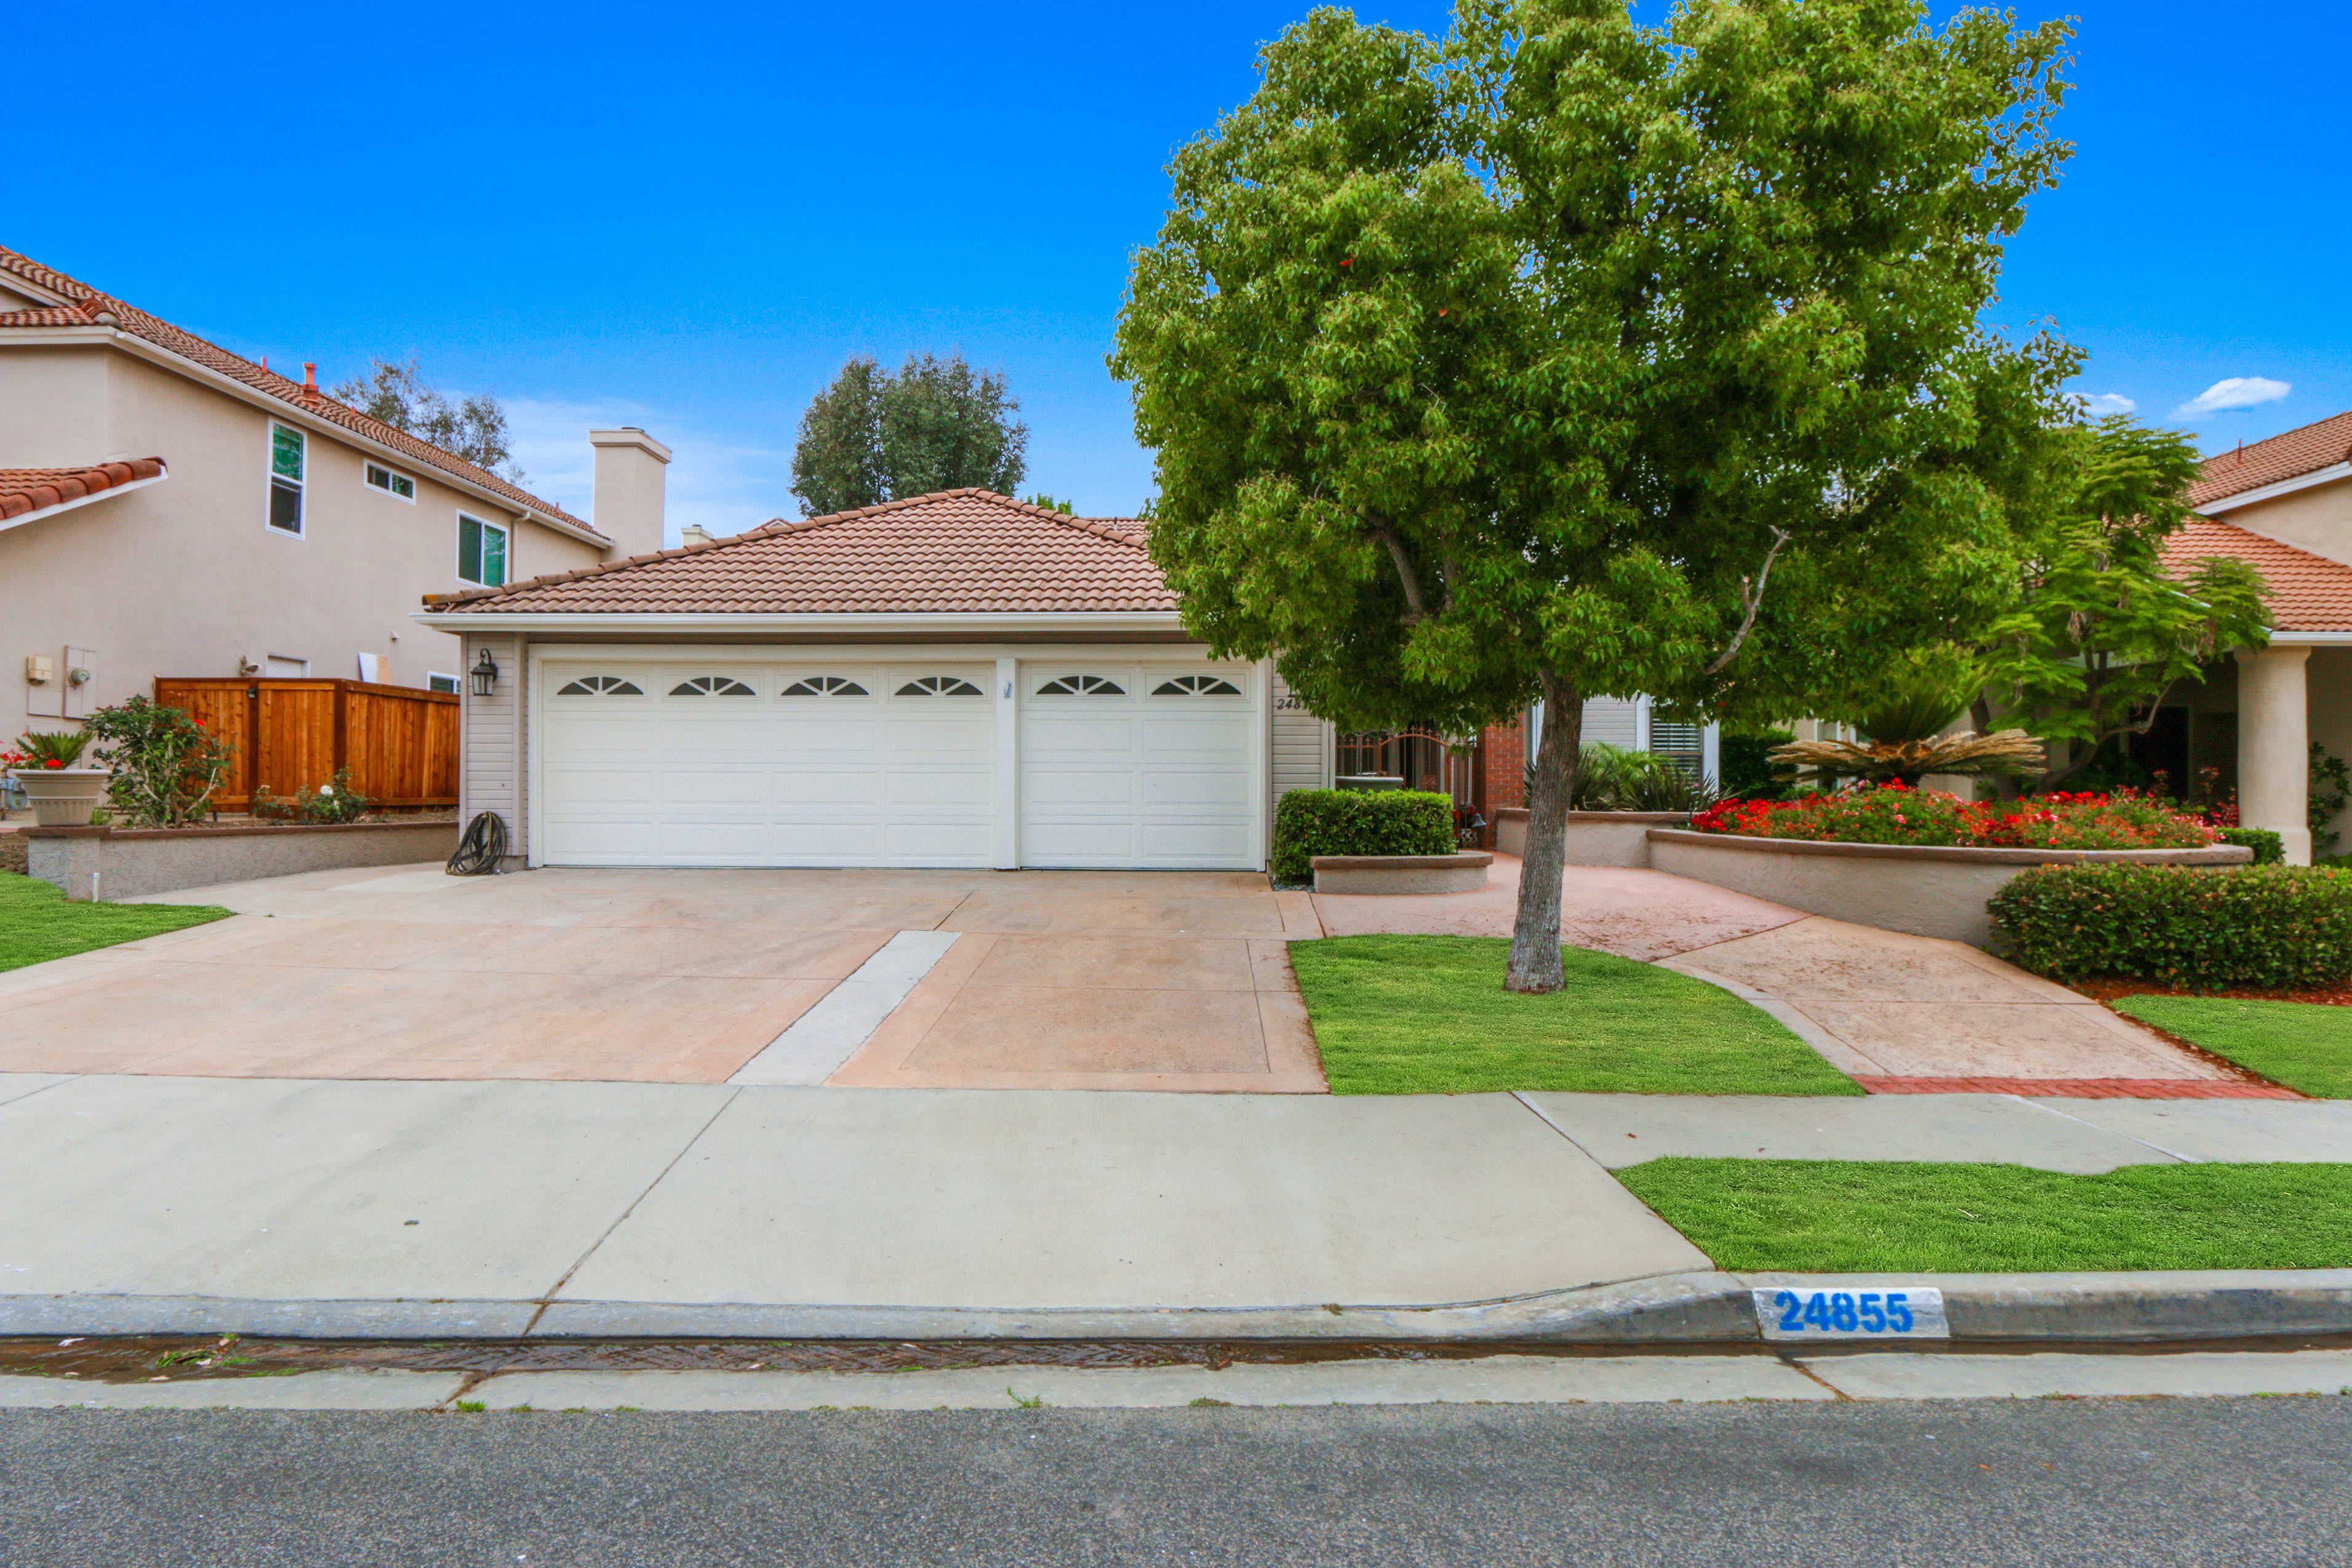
{"type": "Point", "coordinates": [62, 798]}
{"type": "Point", "coordinates": [1463, 873]}
{"type": "Point", "coordinates": [1595, 838]}
{"type": "Point", "coordinates": [1925, 890]}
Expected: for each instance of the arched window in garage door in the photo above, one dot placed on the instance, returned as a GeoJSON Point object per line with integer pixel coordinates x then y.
{"type": "Point", "coordinates": [1196, 686]}
{"type": "Point", "coordinates": [600, 685]}
{"type": "Point", "coordinates": [824, 686]}
{"type": "Point", "coordinates": [1082, 686]}
{"type": "Point", "coordinates": [938, 686]}
{"type": "Point", "coordinates": [711, 686]}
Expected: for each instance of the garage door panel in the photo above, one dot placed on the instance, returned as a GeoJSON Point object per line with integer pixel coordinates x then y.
{"type": "Point", "coordinates": [960, 792]}
{"type": "Point", "coordinates": [1081, 789]}
{"type": "Point", "coordinates": [1230, 790]}
{"type": "Point", "coordinates": [1197, 843]}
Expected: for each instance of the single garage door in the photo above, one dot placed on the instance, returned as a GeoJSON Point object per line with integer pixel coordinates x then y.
{"type": "Point", "coordinates": [1136, 766]}
{"type": "Point", "coordinates": [735, 762]}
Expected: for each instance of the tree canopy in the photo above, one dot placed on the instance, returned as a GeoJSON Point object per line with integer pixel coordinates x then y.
{"type": "Point", "coordinates": [474, 428]}
{"type": "Point", "coordinates": [1568, 356]}
{"type": "Point", "coordinates": [937, 424]}
{"type": "Point", "coordinates": [2103, 631]}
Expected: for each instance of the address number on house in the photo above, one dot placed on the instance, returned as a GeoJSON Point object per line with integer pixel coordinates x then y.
{"type": "Point", "coordinates": [1797, 1313]}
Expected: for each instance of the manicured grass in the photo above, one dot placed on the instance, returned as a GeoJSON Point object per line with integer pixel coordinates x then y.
{"type": "Point", "coordinates": [1428, 1015]}
{"type": "Point", "coordinates": [38, 924]}
{"type": "Point", "coordinates": [2305, 1046]}
{"type": "Point", "coordinates": [1842, 1216]}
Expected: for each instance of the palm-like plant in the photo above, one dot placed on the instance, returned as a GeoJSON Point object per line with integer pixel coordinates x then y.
{"type": "Point", "coordinates": [1904, 725]}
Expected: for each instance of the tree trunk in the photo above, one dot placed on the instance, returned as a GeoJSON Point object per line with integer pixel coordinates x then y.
{"type": "Point", "coordinates": [1535, 932]}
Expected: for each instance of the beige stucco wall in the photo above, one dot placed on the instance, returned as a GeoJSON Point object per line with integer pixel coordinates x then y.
{"type": "Point", "coordinates": [185, 577]}
{"type": "Point", "coordinates": [2318, 519]}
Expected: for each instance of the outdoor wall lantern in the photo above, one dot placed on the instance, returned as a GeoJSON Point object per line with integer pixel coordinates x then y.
{"type": "Point", "coordinates": [486, 674]}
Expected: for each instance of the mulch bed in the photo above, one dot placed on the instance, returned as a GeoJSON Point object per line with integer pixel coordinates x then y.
{"type": "Point", "coordinates": [2115, 989]}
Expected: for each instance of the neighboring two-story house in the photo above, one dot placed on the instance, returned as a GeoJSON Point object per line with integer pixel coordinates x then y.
{"type": "Point", "coordinates": [168, 508]}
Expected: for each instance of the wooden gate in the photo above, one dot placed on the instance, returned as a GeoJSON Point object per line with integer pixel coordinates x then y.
{"type": "Point", "coordinates": [293, 735]}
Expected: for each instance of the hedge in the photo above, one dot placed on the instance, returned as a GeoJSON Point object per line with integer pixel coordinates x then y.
{"type": "Point", "coordinates": [2271, 928]}
{"type": "Point", "coordinates": [2269, 848]}
{"type": "Point", "coordinates": [1311, 822]}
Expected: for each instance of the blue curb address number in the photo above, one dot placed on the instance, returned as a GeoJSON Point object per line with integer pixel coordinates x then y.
{"type": "Point", "coordinates": [1797, 1312]}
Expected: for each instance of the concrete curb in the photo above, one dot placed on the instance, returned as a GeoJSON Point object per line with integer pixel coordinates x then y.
{"type": "Point", "coordinates": [1690, 1308]}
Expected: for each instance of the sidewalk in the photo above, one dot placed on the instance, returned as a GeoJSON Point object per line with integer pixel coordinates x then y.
{"type": "Point", "coordinates": [496, 1209]}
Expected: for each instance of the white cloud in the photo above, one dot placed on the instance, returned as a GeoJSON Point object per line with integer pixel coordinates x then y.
{"type": "Point", "coordinates": [719, 486]}
{"type": "Point", "coordinates": [2099, 404]}
{"type": "Point", "coordinates": [2237, 392]}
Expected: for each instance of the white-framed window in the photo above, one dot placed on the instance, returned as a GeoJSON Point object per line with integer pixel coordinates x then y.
{"type": "Point", "coordinates": [823, 685]}
{"type": "Point", "coordinates": [436, 682]}
{"type": "Point", "coordinates": [481, 552]}
{"type": "Point", "coordinates": [390, 481]}
{"type": "Point", "coordinates": [711, 686]}
{"type": "Point", "coordinates": [600, 686]}
{"type": "Point", "coordinates": [288, 451]}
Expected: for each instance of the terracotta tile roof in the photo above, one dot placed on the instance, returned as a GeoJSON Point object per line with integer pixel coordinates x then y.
{"type": "Point", "coordinates": [2287, 456]}
{"type": "Point", "coordinates": [2307, 592]}
{"type": "Point", "coordinates": [967, 550]}
{"type": "Point", "coordinates": [27, 491]}
{"type": "Point", "coordinates": [91, 308]}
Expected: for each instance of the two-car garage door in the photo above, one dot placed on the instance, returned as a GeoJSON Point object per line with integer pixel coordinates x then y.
{"type": "Point", "coordinates": [851, 761]}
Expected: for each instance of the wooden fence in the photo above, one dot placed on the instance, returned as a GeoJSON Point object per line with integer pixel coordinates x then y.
{"type": "Point", "coordinates": [293, 735]}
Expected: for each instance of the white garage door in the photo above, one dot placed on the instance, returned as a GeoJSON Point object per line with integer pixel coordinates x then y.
{"type": "Point", "coordinates": [1136, 766]}
{"type": "Point", "coordinates": [732, 763]}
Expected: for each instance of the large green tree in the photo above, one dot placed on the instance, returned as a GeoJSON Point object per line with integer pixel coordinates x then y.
{"type": "Point", "coordinates": [937, 424]}
{"type": "Point", "coordinates": [2104, 628]}
{"type": "Point", "coordinates": [1572, 357]}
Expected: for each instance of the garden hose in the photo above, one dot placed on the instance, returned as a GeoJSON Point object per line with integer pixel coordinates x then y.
{"type": "Point", "coordinates": [483, 847]}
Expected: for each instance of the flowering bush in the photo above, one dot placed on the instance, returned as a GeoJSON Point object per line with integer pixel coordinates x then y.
{"type": "Point", "coordinates": [1895, 815]}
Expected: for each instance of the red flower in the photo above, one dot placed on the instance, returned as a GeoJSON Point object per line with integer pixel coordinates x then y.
{"type": "Point", "coordinates": [53, 763]}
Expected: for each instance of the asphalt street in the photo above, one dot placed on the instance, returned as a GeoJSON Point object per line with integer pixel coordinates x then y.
{"type": "Point", "coordinates": [2139, 1482]}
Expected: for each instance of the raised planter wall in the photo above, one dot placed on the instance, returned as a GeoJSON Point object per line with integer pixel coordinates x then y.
{"type": "Point", "coordinates": [1461, 873]}
{"type": "Point", "coordinates": [1910, 888]}
{"type": "Point", "coordinates": [133, 862]}
{"type": "Point", "coordinates": [1595, 838]}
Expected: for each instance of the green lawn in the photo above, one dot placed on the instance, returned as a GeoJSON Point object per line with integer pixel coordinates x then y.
{"type": "Point", "coordinates": [1428, 1015]}
{"type": "Point", "coordinates": [2305, 1046]}
{"type": "Point", "coordinates": [1840, 1217]}
{"type": "Point", "coordinates": [38, 924]}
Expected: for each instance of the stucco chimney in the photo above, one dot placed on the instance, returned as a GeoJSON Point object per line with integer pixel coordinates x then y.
{"type": "Point", "coordinates": [629, 482]}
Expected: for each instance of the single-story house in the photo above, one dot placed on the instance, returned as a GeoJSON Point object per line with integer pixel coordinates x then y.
{"type": "Point", "coordinates": [2284, 506]}
{"type": "Point", "coordinates": [951, 679]}
{"type": "Point", "coordinates": [168, 508]}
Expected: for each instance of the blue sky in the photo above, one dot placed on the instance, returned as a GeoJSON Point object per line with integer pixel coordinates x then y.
{"type": "Point", "coordinates": [688, 216]}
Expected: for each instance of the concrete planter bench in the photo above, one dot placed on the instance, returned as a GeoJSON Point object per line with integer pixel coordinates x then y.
{"type": "Point", "coordinates": [129, 863]}
{"type": "Point", "coordinates": [1461, 873]}
{"type": "Point", "coordinates": [1927, 892]}
{"type": "Point", "coordinates": [1595, 838]}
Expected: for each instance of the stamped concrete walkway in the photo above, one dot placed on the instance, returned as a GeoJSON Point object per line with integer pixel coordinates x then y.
{"type": "Point", "coordinates": [1899, 1014]}
{"type": "Point", "coordinates": [1049, 980]}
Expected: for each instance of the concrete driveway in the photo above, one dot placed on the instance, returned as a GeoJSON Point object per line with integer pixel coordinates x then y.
{"type": "Point", "coordinates": [1049, 980]}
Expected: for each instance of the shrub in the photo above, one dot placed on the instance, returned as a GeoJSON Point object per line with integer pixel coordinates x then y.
{"type": "Point", "coordinates": [166, 765]}
{"type": "Point", "coordinates": [1610, 778]}
{"type": "Point", "coordinates": [1747, 771]}
{"type": "Point", "coordinates": [1311, 822]}
{"type": "Point", "coordinates": [1891, 813]}
{"type": "Point", "coordinates": [333, 802]}
{"type": "Point", "coordinates": [2268, 846]}
{"type": "Point", "coordinates": [2270, 928]}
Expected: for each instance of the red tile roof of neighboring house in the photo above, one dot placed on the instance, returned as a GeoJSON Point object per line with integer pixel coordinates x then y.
{"type": "Point", "coordinates": [2287, 456]}
{"type": "Point", "coordinates": [969, 550]}
{"type": "Point", "coordinates": [91, 308]}
{"type": "Point", "coordinates": [27, 491]}
{"type": "Point", "coordinates": [2307, 592]}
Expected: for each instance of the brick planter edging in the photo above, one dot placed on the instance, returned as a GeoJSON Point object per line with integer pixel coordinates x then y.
{"type": "Point", "coordinates": [1935, 890]}
{"type": "Point", "coordinates": [133, 862]}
